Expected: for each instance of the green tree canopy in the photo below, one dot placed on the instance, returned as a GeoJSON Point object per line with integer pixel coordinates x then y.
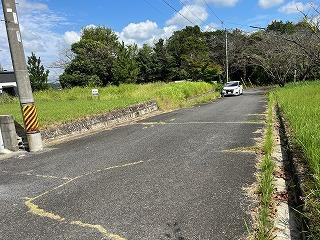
{"type": "Point", "coordinates": [125, 68]}
{"type": "Point", "coordinates": [37, 73]}
{"type": "Point", "coordinates": [94, 57]}
{"type": "Point", "coordinates": [190, 55]}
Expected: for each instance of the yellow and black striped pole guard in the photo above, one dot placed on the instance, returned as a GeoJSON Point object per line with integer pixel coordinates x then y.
{"type": "Point", "coordinates": [30, 117]}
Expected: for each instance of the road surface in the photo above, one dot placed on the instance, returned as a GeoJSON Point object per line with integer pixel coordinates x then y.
{"type": "Point", "coordinates": [172, 176]}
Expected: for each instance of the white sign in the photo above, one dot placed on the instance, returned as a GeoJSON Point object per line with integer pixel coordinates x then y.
{"type": "Point", "coordinates": [15, 18]}
{"type": "Point", "coordinates": [18, 36]}
{"type": "Point", "coordinates": [9, 9]}
{"type": "Point", "coordinates": [95, 92]}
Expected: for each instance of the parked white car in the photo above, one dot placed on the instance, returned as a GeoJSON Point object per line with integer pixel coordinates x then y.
{"type": "Point", "coordinates": [233, 88]}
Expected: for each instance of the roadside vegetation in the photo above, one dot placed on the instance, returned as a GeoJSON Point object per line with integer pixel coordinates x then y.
{"type": "Point", "coordinates": [300, 106]}
{"type": "Point", "coordinates": [57, 107]}
{"type": "Point", "coordinates": [264, 228]}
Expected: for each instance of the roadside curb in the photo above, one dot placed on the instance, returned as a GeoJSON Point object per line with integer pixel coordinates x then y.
{"type": "Point", "coordinates": [285, 225]}
{"type": "Point", "coordinates": [96, 122]}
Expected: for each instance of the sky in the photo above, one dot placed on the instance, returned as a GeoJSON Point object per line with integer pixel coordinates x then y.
{"type": "Point", "coordinates": [49, 26]}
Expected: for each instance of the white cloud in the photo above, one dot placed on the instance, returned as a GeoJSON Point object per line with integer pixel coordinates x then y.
{"type": "Point", "coordinates": [145, 32]}
{"type": "Point", "coordinates": [140, 31]}
{"type": "Point", "coordinates": [295, 7]}
{"type": "Point", "coordinates": [31, 6]}
{"type": "Point", "coordinates": [71, 37]}
{"type": "Point", "coordinates": [196, 14]}
{"type": "Point", "coordinates": [210, 27]}
{"type": "Point", "coordinates": [37, 24]}
{"type": "Point", "coordinates": [269, 3]}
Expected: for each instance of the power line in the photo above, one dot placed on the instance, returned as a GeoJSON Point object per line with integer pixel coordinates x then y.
{"type": "Point", "coordinates": [173, 8]}
{"type": "Point", "coordinates": [211, 10]}
{"type": "Point", "coordinates": [154, 8]}
{"type": "Point", "coordinates": [187, 7]}
{"type": "Point", "coordinates": [237, 24]}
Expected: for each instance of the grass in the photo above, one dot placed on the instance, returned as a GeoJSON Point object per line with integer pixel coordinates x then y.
{"type": "Point", "coordinates": [300, 104]}
{"type": "Point", "coordinates": [265, 179]}
{"type": "Point", "coordinates": [56, 107]}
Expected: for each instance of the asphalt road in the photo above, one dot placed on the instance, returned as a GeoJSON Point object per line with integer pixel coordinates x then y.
{"type": "Point", "coordinates": [171, 176]}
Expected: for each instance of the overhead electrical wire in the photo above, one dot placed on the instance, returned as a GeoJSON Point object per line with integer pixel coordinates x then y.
{"type": "Point", "coordinates": [187, 7]}
{"type": "Point", "coordinates": [174, 9]}
{"type": "Point", "coordinates": [213, 12]}
{"type": "Point", "coordinates": [222, 22]}
{"type": "Point", "coordinates": [154, 8]}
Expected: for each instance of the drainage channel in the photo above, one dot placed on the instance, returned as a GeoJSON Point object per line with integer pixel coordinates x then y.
{"type": "Point", "coordinates": [296, 221]}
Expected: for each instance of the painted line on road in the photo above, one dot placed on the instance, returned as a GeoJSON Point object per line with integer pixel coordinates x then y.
{"type": "Point", "coordinates": [109, 168]}
{"type": "Point", "coordinates": [36, 175]}
{"type": "Point", "coordinates": [99, 228]}
{"type": "Point", "coordinates": [36, 210]}
{"type": "Point", "coordinates": [191, 123]}
{"type": "Point", "coordinates": [251, 149]}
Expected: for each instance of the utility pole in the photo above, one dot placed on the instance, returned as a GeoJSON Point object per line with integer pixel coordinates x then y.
{"type": "Point", "coordinates": [227, 57]}
{"type": "Point", "coordinates": [28, 108]}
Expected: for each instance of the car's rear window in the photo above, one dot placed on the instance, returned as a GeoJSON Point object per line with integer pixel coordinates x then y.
{"type": "Point", "coordinates": [232, 84]}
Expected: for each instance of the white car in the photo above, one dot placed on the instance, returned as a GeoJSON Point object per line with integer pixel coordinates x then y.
{"type": "Point", "coordinates": [233, 88]}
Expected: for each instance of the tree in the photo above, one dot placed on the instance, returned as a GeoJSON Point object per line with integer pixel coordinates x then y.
{"type": "Point", "coordinates": [190, 55]}
{"type": "Point", "coordinates": [66, 56]}
{"type": "Point", "coordinates": [275, 55]}
{"type": "Point", "coordinates": [94, 55]}
{"type": "Point", "coordinates": [37, 73]}
{"type": "Point", "coordinates": [281, 27]}
{"type": "Point", "coordinates": [125, 68]}
{"type": "Point", "coordinates": [162, 61]}
{"type": "Point", "coordinates": [146, 64]}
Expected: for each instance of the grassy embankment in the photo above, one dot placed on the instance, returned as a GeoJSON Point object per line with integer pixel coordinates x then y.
{"type": "Point", "coordinates": [57, 107]}
{"type": "Point", "coordinates": [265, 180]}
{"type": "Point", "coordinates": [300, 104]}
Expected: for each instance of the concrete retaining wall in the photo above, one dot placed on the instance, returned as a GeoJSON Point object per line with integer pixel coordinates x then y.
{"type": "Point", "coordinates": [99, 121]}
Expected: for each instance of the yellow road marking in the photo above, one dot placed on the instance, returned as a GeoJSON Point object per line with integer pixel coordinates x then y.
{"type": "Point", "coordinates": [44, 176]}
{"type": "Point", "coordinates": [98, 228]}
{"type": "Point", "coordinates": [258, 114]}
{"type": "Point", "coordinates": [36, 210]}
{"type": "Point", "coordinates": [251, 149]}
{"type": "Point", "coordinates": [113, 167]}
{"type": "Point", "coordinates": [37, 175]}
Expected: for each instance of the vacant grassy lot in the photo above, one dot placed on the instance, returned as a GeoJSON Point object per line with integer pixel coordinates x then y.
{"type": "Point", "coordinates": [300, 104]}
{"type": "Point", "coordinates": [64, 106]}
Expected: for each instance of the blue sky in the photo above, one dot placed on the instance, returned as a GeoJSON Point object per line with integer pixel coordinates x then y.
{"type": "Point", "coordinates": [50, 26]}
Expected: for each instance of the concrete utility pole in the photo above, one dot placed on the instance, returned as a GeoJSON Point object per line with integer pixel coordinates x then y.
{"type": "Point", "coordinates": [227, 57]}
{"type": "Point", "coordinates": [29, 111]}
